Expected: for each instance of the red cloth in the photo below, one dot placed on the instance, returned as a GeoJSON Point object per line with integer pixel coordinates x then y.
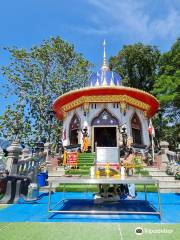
{"type": "Point", "coordinates": [151, 129]}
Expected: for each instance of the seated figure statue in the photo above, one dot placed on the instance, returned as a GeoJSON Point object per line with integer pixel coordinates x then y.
{"type": "Point", "coordinates": [128, 160]}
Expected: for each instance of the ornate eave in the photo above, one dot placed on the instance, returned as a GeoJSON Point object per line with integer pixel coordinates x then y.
{"type": "Point", "coordinates": [106, 94]}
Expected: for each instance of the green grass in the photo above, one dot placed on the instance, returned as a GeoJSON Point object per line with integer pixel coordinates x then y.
{"type": "Point", "coordinates": [94, 188]}
{"type": "Point", "coordinates": [84, 172]}
{"type": "Point", "coordinates": [85, 167]}
{"type": "Point", "coordinates": [84, 164]}
{"type": "Point", "coordinates": [77, 188]}
{"type": "Point", "coordinates": [84, 231]}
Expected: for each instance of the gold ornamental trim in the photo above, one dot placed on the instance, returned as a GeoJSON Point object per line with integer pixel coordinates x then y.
{"type": "Point", "coordinates": [103, 99]}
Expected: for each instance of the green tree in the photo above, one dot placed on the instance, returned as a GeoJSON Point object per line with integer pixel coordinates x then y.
{"type": "Point", "coordinates": [14, 123]}
{"type": "Point", "coordinates": [167, 89]}
{"type": "Point", "coordinates": [37, 77]}
{"type": "Point", "coordinates": [167, 84]}
{"type": "Point", "coordinates": [137, 65]}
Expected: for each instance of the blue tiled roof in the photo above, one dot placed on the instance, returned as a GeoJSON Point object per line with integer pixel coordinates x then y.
{"type": "Point", "coordinates": [105, 78]}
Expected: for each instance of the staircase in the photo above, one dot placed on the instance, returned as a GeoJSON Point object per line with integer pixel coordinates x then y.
{"type": "Point", "coordinates": [167, 183]}
{"type": "Point", "coordinates": [85, 161]}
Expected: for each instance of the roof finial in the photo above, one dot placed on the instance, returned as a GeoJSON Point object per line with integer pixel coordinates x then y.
{"type": "Point", "coordinates": [104, 66]}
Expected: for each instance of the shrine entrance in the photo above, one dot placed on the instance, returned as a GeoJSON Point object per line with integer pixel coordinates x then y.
{"type": "Point", "coordinates": [104, 130]}
{"type": "Point", "coordinates": [136, 129]}
{"type": "Point", "coordinates": [73, 130]}
{"type": "Point", "coordinates": [105, 136]}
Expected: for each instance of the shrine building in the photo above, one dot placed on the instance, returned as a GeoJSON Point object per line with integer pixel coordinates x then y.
{"type": "Point", "coordinates": [103, 108]}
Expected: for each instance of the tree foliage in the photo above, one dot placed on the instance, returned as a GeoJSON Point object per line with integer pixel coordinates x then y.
{"type": "Point", "coordinates": [167, 84]}
{"type": "Point", "coordinates": [167, 89]}
{"type": "Point", "coordinates": [13, 120]}
{"type": "Point", "coordinates": [142, 66]}
{"type": "Point", "coordinates": [37, 77]}
{"type": "Point", "coordinates": [137, 64]}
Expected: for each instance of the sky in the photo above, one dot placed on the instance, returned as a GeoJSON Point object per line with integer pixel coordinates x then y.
{"type": "Point", "coordinates": [86, 23]}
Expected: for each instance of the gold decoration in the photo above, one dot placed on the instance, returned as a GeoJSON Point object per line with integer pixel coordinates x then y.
{"type": "Point", "coordinates": [145, 114]}
{"type": "Point", "coordinates": [123, 107]}
{"type": "Point", "coordinates": [64, 114]}
{"type": "Point", "coordinates": [105, 99]}
{"type": "Point", "coordinates": [104, 66]}
{"type": "Point", "coordinates": [86, 107]}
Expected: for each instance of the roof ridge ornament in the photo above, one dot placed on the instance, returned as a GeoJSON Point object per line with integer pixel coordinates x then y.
{"type": "Point", "coordinates": [97, 79]}
{"type": "Point", "coordinates": [104, 66]}
{"type": "Point", "coordinates": [112, 80]}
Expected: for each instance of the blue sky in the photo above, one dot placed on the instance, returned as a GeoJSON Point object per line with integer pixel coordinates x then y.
{"type": "Point", "coordinates": [85, 23]}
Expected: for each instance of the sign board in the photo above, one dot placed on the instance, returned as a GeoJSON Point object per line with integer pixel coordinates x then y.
{"type": "Point", "coordinates": [72, 158]}
{"type": "Point", "coordinates": [107, 155]}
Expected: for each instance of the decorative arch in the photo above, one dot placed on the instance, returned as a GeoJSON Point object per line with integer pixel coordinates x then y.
{"type": "Point", "coordinates": [104, 118]}
{"type": "Point", "coordinates": [74, 126]}
{"type": "Point", "coordinates": [136, 129]}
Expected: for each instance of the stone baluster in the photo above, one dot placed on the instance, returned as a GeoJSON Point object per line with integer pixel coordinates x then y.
{"type": "Point", "coordinates": [164, 149]}
{"type": "Point", "coordinates": [47, 149]}
{"type": "Point", "coordinates": [164, 146]}
{"type": "Point", "coordinates": [25, 153]}
{"type": "Point", "coordinates": [14, 152]}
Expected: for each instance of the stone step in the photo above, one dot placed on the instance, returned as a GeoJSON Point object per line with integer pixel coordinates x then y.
{"type": "Point", "coordinates": [159, 174]}
{"type": "Point", "coordinates": [58, 173]}
{"type": "Point", "coordinates": [164, 178]}
{"type": "Point", "coordinates": [152, 169]}
{"type": "Point", "coordinates": [46, 188]}
{"type": "Point", "coordinates": [53, 178]}
{"type": "Point", "coordinates": [169, 184]}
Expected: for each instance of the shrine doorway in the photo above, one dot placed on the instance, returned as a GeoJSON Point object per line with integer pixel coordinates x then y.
{"type": "Point", "coordinates": [104, 130]}
{"type": "Point", "coordinates": [105, 136]}
{"type": "Point", "coordinates": [136, 129]}
{"type": "Point", "coordinates": [73, 130]}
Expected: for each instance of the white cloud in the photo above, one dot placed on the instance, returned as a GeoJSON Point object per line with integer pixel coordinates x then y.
{"type": "Point", "coordinates": [169, 26]}
{"type": "Point", "coordinates": [133, 18]}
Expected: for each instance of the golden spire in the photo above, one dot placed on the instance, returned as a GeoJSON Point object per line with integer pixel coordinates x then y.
{"type": "Point", "coordinates": [104, 66]}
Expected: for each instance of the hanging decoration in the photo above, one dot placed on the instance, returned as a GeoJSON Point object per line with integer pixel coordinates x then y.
{"type": "Point", "coordinates": [123, 107]}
